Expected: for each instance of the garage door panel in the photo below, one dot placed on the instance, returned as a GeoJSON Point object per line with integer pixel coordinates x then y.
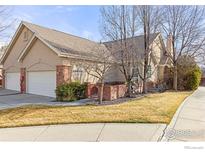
{"type": "Point", "coordinates": [42, 83]}
{"type": "Point", "coordinates": [12, 81]}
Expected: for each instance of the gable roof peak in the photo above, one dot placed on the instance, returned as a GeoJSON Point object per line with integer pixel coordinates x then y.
{"type": "Point", "coordinates": [32, 26]}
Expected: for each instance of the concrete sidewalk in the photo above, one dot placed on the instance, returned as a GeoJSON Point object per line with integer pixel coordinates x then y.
{"type": "Point", "coordinates": [188, 123]}
{"type": "Point", "coordinates": [85, 132]}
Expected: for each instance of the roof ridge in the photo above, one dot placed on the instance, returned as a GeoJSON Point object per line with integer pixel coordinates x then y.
{"type": "Point", "coordinates": [157, 33]}
{"type": "Point", "coordinates": [25, 22]}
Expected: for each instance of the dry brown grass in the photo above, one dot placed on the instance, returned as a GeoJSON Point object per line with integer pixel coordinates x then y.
{"type": "Point", "coordinates": [154, 108]}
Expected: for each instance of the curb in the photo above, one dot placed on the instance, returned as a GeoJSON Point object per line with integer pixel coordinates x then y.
{"type": "Point", "coordinates": [159, 132]}
{"type": "Point", "coordinates": [175, 118]}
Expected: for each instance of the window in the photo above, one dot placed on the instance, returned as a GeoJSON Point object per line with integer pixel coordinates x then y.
{"type": "Point", "coordinates": [77, 73]}
{"type": "Point", "coordinates": [149, 71]}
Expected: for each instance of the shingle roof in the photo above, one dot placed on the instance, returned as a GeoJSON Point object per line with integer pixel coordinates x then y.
{"type": "Point", "coordinates": [73, 45]}
{"type": "Point", "coordinates": [66, 43]}
{"type": "Point", "coordinates": [137, 41]}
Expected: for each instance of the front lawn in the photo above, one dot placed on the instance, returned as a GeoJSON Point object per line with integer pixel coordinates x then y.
{"type": "Point", "coordinates": [154, 108]}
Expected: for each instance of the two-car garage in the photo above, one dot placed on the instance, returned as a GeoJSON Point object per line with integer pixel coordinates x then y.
{"type": "Point", "coordinates": [38, 59]}
{"type": "Point", "coordinates": [39, 83]}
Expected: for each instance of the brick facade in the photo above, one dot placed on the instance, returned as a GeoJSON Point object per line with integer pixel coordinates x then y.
{"type": "Point", "coordinates": [63, 74]}
{"type": "Point", "coordinates": [121, 90]}
{"type": "Point", "coordinates": [110, 92]}
{"type": "Point", "coordinates": [23, 80]}
{"type": "Point", "coordinates": [92, 90]}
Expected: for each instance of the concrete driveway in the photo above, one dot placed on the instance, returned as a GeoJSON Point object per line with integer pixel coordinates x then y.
{"type": "Point", "coordinates": [85, 132]}
{"type": "Point", "coordinates": [188, 123]}
{"type": "Point", "coordinates": [10, 98]}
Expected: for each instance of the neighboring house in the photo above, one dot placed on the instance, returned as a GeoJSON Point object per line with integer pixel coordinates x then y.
{"type": "Point", "coordinates": [158, 59]}
{"type": "Point", "coordinates": [38, 59]}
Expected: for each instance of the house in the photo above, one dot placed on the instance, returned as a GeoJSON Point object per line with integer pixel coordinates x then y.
{"type": "Point", "coordinates": [38, 59]}
{"type": "Point", "coordinates": [158, 60]}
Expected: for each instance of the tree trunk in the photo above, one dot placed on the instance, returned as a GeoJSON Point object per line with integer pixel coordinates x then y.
{"type": "Point", "coordinates": [144, 86]}
{"type": "Point", "coordinates": [101, 92]}
{"type": "Point", "coordinates": [175, 78]}
{"type": "Point", "coordinates": [129, 90]}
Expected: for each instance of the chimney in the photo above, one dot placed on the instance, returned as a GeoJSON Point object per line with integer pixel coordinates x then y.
{"type": "Point", "coordinates": [169, 44]}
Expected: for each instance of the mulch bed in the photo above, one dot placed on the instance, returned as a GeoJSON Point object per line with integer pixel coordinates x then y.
{"type": "Point", "coordinates": [117, 101]}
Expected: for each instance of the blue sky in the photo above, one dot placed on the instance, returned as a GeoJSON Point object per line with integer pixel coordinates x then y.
{"type": "Point", "coordinates": [78, 20]}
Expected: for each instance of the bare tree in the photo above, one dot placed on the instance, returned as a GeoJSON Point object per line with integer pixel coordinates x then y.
{"type": "Point", "coordinates": [98, 68]}
{"type": "Point", "coordinates": [118, 26]}
{"type": "Point", "coordinates": [149, 18]}
{"type": "Point", "coordinates": [5, 20]}
{"type": "Point", "coordinates": [185, 26]}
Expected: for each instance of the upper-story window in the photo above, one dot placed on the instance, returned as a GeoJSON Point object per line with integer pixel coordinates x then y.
{"type": "Point", "coordinates": [25, 36]}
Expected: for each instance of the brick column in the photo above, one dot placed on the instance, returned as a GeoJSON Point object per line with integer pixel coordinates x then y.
{"type": "Point", "coordinates": [63, 74]}
{"type": "Point", "coordinates": [23, 80]}
{"type": "Point", "coordinates": [91, 90]}
{"type": "Point", "coordinates": [3, 78]}
{"type": "Point", "coordinates": [107, 90]}
{"type": "Point", "coordinates": [88, 90]}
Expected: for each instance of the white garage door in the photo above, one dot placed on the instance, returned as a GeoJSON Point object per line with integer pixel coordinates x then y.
{"type": "Point", "coordinates": [42, 83]}
{"type": "Point", "coordinates": [12, 81]}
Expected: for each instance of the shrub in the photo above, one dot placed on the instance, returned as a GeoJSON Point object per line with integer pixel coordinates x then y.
{"type": "Point", "coordinates": [71, 91]}
{"type": "Point", "coordinates": [193, 79]}
{"type": "Point", "coordinates": [189, 73]}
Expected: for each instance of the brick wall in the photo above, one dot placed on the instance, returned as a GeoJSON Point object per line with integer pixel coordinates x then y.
{"type": "Point", "coordinates": [110, 92]}
{"type": "Point", "coordinates": [92, 90]}
{"type": "Point", "coordinates": [121, 90]}
{"type": "Point", "coordinates": [63, 74]}
{"type": "Point", "coordinates": [23, 80]}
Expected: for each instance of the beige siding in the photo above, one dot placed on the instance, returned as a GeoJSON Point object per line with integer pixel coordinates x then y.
{"type": "Point", "coordinates": [11, 63]}
{"type": "Point", "coordinates": [41, 58]}
{"type": "Point", "coordinates": [79, 74]}
{"type": "Point", "coordinates": [161, 73]}
{"type": "Point", "coordinates": [154, 71]}
{"type": "Point", "coordinates": [157, 49]}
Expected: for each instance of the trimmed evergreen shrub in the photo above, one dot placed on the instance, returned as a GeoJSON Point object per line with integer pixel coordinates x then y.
{"type": "Point", "coordinates": [189, 73]}
{"type": "Point", "coordinates": [71, 91]}
{"type": "Point", "coordinates": [193, 79]}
